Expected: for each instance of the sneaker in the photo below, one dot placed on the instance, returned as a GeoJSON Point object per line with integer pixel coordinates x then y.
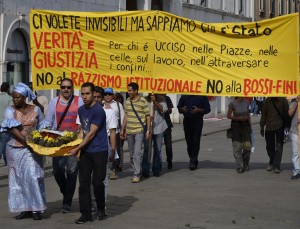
{"type": "Point", "coordinates": [276, 170]}
{"type": "Point", "coordinates": [113, 175]}
{"type": "Point", "coordinates": [66, 209]}
{"type": "Point", "coordinates": [295, 177]}
{"type": "Point", "coordinates": [269, 168]}
{"type": "Point", "coordinates": [83, 219]}
{"type": "Point", "coordinates": [135, 179]}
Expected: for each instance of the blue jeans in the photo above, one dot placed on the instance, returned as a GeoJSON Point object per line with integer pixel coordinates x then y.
{"type": "Point", "coordinates": [65, 171]}
{"type": "Point", "coordinates": [295, 157]}
{"type": "Point", "coordinates": [157, 145]}
{"type": "Point", "coordinates": [4, 138]}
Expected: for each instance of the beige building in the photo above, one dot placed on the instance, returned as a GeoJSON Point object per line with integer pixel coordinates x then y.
{"type": "Point", "coordinates": [15, 62]}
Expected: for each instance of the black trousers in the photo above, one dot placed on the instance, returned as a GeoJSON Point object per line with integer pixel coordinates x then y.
{"type": "Point", "coordinates": [192, 132]}
{"type": "Point", "coordinates": [65, 172]}
{"type": "Point", "coordinates": [168, 144]}
{"type": "Point", "coordinates": [92, 167]}
{"type": "Point", "coordinates": [274, 146]}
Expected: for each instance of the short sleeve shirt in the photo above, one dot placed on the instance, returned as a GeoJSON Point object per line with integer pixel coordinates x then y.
{"type": "Point", "coordinates": [133, 124]}
{"type": "Point", "coordinates": [94, 115]}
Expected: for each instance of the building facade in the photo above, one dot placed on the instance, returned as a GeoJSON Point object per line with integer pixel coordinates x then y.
{"type": "Point", "coordinates": [15, 63]}
{"type": "Point", "coordinates": [264, 9]}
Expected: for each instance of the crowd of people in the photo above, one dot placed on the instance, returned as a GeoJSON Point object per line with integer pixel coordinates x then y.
{"type": "Point", "coordinates": [105, 121]}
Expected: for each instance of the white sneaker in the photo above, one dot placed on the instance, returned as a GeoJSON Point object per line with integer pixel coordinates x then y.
{"type": "Point", "coordinates": [135, 179]}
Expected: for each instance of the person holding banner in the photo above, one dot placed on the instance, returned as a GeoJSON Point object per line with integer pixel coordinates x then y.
{"type": "Point", "coordinates": [238, 112]}
{"type": "Point", "coordinates": [158, 125]}
{"type": "Point", "coordinates": [136, 123]}
{"type": "Point", "coordinates": [62, 115]}
{"type": "Point", "coordinates": [272, 125]}
{"type": "Point", "coordinates": [193, 108]}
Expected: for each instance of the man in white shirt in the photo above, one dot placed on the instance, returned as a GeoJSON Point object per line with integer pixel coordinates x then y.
{"type": "Point", "coordinates": [109, 102]}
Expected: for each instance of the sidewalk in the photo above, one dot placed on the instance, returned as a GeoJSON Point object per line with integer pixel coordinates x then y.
{"type": "Point", "coordinates": [211, 197]}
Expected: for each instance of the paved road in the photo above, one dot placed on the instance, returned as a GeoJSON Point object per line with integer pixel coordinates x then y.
{"type": "Point", "coordinates": [211, 197]}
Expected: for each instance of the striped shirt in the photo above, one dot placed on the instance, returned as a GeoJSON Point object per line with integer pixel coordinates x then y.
{"type": "Point", "coordinates": [133, 124]}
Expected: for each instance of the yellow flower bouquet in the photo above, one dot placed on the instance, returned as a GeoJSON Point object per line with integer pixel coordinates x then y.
{"type": "Point", "coordinates": [52, 143]}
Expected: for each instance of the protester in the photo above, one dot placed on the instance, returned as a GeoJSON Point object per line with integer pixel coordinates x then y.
{"type": "Point", "coordinates": [158, 126]}
{"type": "Point", "coordinates": [61, 115]}
{"type": "Point", "coordinates": [110, 103]}
{"type": "Point", "coordinates": [26, 191]}
{"type": "Point", "coordinates": [253, 106]}
{"type": "Point", "coordinates": [193, 108]}
{"type": "Point", "coordinates": [136, 122]}
{"type": "Point", "coordinates": [119, 98]}
{"type": "Point", "coordinates": [168, 132]}
{"type": "Point", "coordinates": [238, 112]}
{"type": "Point", "coordinates": [259, 103]}
{"type": "Point", "coordinates": [275, 110]}
{"type": "Point", "coordinates": [5, 101]}
{"type": "Point", "coordinates": [111, 127]}
{"type": "Point", "coordinates": [92, 153]}
{"type": "Point", "coordinates": [293, 132]}
{"type": "Point", "coordinates": [40, 100]}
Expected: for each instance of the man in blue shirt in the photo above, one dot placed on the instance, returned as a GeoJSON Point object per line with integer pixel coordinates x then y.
{"type": "Point", "coordinates": [193, 108]}
{"type": "Point", "coordinates": [93, 153]}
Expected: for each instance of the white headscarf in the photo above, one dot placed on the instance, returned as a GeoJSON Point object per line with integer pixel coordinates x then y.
{"type": "Point", "coordinates": [24, 90]}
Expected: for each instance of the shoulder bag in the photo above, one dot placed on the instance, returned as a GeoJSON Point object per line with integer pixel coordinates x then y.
{"type": "Point", "coordinates": [138, 117]}
{"type": "Point", "coordinates": [65, 112]}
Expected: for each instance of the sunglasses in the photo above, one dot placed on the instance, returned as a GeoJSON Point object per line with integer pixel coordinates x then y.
{"type": "Point", "coordinates": [107, 94]}
{"type": "Point", "coordinates": [65, 87]}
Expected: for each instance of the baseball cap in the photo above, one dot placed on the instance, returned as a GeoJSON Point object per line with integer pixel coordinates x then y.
{"type": "Point", "coordinates": [108, 90]}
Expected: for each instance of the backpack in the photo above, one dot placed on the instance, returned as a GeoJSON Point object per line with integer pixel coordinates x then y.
{"type": "Point", "coordinates": [287, 120]}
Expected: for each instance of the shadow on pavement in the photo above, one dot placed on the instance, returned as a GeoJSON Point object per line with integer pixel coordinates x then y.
{"type": "Point", "coordinates": [117, 205]}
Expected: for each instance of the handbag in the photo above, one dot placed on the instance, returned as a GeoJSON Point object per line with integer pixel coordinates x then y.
{"type": "Point", "coordinates": [229, 133]}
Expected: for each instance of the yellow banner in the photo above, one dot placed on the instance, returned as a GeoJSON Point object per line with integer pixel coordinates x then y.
{"type": "Point", "coordinates": [165, 53]}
